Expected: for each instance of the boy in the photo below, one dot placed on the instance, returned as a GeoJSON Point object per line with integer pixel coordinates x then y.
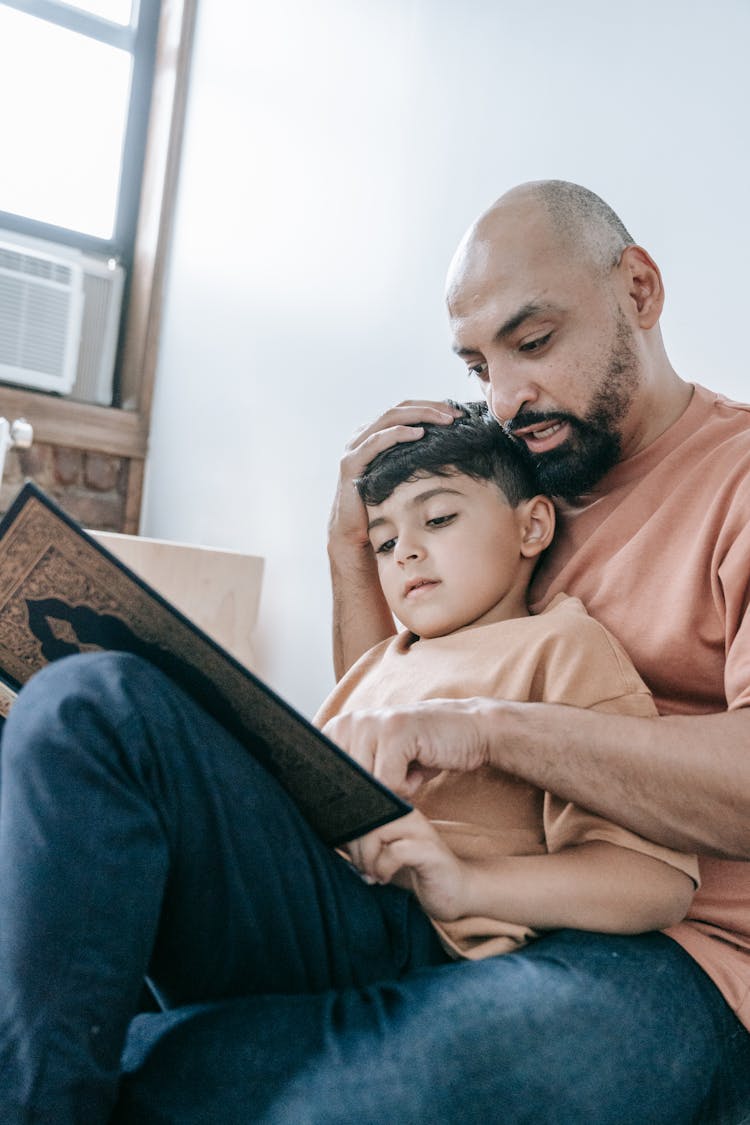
{"type": "Point", "coordinates": [457, 528]}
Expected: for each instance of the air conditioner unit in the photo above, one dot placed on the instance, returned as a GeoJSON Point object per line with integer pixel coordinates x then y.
{"type": "Point", "coordinates": [59, 318]}
{"type": "Point", "coordinates": [103, 281]}
{"type": "Point", "coordinates": [41, 306]}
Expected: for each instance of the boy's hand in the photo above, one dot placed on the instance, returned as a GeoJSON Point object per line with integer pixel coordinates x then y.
{"type": "Point", "coordinates": [411, 853]}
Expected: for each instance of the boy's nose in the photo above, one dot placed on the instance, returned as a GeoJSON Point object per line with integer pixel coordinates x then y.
{"type": "Point", "coordinates": [409, 552]}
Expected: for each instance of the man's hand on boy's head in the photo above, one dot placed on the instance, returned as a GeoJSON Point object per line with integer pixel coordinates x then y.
{"type": "Point", "coordinates": [406, 746]}
{"type": "Point", "coordinates": [410, 853]}
{"type": "Point", "coordinates": [348, 521]}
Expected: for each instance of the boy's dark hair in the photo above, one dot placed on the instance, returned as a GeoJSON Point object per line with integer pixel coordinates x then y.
{"type": "Point", "coordinates": [474, 444]}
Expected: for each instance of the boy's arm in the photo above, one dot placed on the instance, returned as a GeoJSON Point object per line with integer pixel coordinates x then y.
{"type": "Point", "coordinates": [595, 886]}
{"type": "Point", "coordinates": [361, 617]}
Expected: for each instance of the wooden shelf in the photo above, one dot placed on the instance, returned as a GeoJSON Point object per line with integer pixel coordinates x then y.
{"type": "Point", "coordinates": [77, 425]}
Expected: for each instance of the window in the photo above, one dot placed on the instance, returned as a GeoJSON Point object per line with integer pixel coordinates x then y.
{"type": "Point", "coordinates": [157, 38]}
{"type": "Point", "coordinates": [76, 80]}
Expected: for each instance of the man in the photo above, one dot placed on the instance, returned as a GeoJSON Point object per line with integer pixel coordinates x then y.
{"type": "Point", "coordinates": [135, 833]}
{"type": "Point", "coordinates": [562, 331]}
{"type": "Point", "coordinates": [555, 310]}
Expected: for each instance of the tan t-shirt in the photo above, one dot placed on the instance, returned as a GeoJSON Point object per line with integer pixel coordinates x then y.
{"type": "Point", "coordinates": [660, 554]}
{"type": "Point", "coordinates": [560, 656]}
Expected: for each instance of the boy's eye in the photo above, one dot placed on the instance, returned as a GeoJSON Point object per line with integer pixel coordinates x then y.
{"type": "Point", "coordinates": [385, 548]}
{"type": "Point", "coordinates": [441, 521]}
{"type": "Point", "coordinates": [534, 345]}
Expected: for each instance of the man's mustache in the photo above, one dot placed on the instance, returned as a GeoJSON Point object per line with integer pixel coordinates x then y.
{"type": "Point", "coordinates": [538, 418]}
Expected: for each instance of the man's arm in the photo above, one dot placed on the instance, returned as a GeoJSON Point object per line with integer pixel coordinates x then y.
{"type": "Point", "coordinates": [361, 617]}
{"type": "Point", "coordinates": [681, 781]}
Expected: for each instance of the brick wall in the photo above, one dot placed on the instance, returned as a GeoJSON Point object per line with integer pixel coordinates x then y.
{"type": "Point", "coordinates": [91, 487]}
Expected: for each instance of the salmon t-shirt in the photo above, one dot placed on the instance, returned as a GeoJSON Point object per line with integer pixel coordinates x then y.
{"type": "Point", "coordinates": [560, 655]}
{"type": "Point", "coordinates": [660, 554]}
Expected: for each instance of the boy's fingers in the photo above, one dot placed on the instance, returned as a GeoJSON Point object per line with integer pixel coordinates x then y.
{"type": "Point", "coordinates": [394, 856]}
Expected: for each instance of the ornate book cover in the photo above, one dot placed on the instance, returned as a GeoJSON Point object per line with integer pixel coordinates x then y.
{"type": "Point", "coordinates": [61, 592]}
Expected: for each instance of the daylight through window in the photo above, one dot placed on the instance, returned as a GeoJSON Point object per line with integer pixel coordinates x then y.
{"type": "Point", "coordinates": [75, 81]}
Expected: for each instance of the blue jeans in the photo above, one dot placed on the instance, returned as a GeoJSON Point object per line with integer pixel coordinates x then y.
{"type": "Point", "coordinates": [137, 837]}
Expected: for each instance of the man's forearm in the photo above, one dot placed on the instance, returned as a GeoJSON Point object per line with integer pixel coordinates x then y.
{"type": "Point", "coordinates": [681, 781]}
{"type": "Point", "coordinates": [361, 617]}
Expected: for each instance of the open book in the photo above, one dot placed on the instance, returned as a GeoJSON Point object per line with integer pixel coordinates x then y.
{"type": "Point", "coordinates": [61, 592]}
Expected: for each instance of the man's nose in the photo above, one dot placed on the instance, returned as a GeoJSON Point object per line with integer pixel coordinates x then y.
{"type": "Point", "coordinates": [507, 395]}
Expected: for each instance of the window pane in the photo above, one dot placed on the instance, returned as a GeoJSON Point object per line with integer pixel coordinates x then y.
{"type": "Point", "coordinates": [116, 11]}
{"type": "Point", "coordinates": [62, 142]}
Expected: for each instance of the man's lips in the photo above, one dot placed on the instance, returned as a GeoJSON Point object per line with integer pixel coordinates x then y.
{"type": "Point", "coordinates": [543, 436]}
{"type": "Point", "coordinates": [417, 586]}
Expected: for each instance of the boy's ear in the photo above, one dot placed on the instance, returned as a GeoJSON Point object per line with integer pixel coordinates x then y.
{"type": "Point", "coordinates": [537, 525]}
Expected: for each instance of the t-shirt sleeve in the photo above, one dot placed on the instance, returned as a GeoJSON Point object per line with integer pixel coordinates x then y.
{"type": "Point", "coordinates": [566, 825]}
{"type": "Point", "coordinates": [339, 699]}
{"type": "Point", "coordinates": [733, 590]}
{"type": "Point", "coordinates": [602, 661]}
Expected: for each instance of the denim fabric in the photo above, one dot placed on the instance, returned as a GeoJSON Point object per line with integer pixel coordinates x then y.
{"type": "Point", "coordinates": [136, 837]}
{"type": "Point", "coordinates": [577, 1029]}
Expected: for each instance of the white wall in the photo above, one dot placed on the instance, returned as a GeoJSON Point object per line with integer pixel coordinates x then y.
{"type": "Point", "coordinates": [335, 152]}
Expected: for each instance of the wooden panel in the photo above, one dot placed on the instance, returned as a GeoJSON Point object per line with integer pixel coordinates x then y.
{"type": "Point", "coordinates": [160, 173]}
{"type": "Point", "coordinates": [218, 590]}
{"type": "Point", "coordinates": [133, 491]}
{"type": "Point", "coordinates": [77, 425]}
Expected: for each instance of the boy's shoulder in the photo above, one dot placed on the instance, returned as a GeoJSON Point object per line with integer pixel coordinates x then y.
{"type": "Point", "coordinates": [567, 616]}
{"type": "Point", "coordinates": [566, 613]}
{"type": "Point", "coordinates": [566, 619]}
{"type": "Point", "coordinates": [584, 659]}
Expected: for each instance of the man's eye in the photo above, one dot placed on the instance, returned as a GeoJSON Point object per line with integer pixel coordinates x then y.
{"type": "Point", "coordinates": [385, 548]}
{"type": "Point", "coordinates": [480, 370]}
{"type": "Point", "coordinates": [441, 521]}
{"type": "Point", "coordinates": [534, 345]}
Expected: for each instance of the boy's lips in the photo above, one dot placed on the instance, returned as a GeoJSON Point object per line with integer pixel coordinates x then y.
{"type": "Point", "coordinates": [415, 586]}
{"type": "Point", "coordinates": [543, 436]}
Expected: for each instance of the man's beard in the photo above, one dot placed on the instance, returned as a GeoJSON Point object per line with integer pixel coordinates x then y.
{"type": "Point", "coordinates": [594, 444]}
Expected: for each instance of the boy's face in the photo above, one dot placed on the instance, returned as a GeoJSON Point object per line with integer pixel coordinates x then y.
{"type": "Point", "coordinates": [450, 554]}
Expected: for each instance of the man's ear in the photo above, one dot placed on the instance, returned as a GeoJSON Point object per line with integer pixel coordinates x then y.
{"type": "Point", "coordinates": [537, 525]}
{"type": "Point", "coordinates": [644, 285]}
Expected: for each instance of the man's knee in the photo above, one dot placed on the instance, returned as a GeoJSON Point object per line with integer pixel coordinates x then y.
{"type": "Point", "coordinates": [85, 677]}
{"type": "Point", "coordinates": [91, 692]}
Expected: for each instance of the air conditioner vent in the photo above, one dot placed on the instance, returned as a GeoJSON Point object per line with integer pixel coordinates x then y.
{"type": "Point", "coordinates": [17, 263]}
{"type": "Point", "coordinates": [41, 306]}
{"type": "Point", "coordinates": [59, 318]}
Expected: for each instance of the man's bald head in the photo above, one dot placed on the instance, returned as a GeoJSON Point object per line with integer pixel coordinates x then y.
{"type": "Point", "coordinates": [570, 219]}
{"type": "Point", "coordinates": [581, 218]}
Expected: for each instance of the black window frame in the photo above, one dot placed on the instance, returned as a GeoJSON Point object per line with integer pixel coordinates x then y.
{"type": "Point", "coordinates": [140, 40]}
{"type": "Point", "coordinates": [122, 430]}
